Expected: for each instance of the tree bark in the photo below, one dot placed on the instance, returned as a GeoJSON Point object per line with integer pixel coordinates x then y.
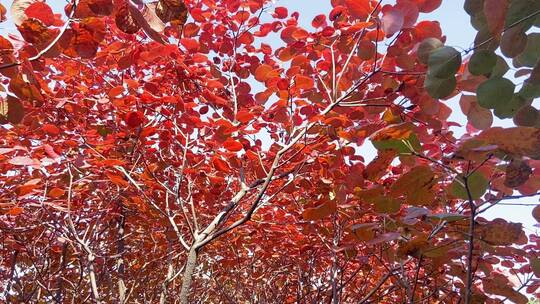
{"type": "Point", "coordinates": [120, 248]}
{"type": "Point", "coordinates": [187, 277]}
{"type": "Point", "coordinates": [170, 274]}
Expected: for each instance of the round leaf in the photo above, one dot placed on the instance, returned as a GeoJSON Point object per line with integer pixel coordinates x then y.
{"type": "Point", "coordinates": [531, 54]}
{"type": "Point", "coordinates": [444, 62]}
{"type": "Point", "coordinates": [477, 185]}
{"type": "Point", "coordinates": [440, 88]}
{"type": "Point", "coordinates": [527, 116]}
{"type": "Point", "coordinates": [513, 42]}
{"type": "Point", "coordinates": [495, 92]}
{"type": "Point", "coordinates": [482, 62]}
{"type": "Point", "coordinates": [426, 47]}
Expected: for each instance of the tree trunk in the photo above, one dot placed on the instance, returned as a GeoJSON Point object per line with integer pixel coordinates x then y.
{"type": "Point", "coordinates": [120, 248]}
{"type": "Point", "coordinates": [170, 274]}
{"type": "Point", "coordinates": [188, 275]}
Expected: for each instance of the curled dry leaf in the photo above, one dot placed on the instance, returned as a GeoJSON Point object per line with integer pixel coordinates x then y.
{"type": "Point", "coordinates": [18, 8]}
{"type": "Point", "coordinates": [174, 11]}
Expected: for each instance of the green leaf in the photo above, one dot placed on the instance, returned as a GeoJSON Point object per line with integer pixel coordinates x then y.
{"type": "Point", "coordinates": [386, 205]}
{"type": "Point", "coordinates": [500, 68]}
{"type": "Point", "coordinates": [477, 185]}
{"type": "Point", "coordinates": [495, 92]}
{"type": "Point", "coordinates": [535, 266]}
{"type": "Point", "coordinates": [508, 110]}
{"type": "Point", "coordinates": [473, 7]}
{"type": "Point", "coordinates": [400, 145]}
{"type": "Point", "coordinates": [448, 217]}
{"type": "Point", "coordinates": [518, 10]}
{"type": "Point", "coordinates": [482, 62]}
{"type": "Point", "coordinates": [531, 87]}
{"type": "Point", "coordinates": [531, 54]}
{"type": "Point", "coordinates": [440, 88]}
{"type": "Point", "coordinates": [426, 47]}
{"type": "Point", "coordinates": [444, 62]}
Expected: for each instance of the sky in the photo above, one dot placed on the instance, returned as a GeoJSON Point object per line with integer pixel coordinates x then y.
{"type": "Point", "coordinates": [456, 26]}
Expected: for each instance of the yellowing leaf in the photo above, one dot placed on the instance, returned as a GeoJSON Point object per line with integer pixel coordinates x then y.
{"type": "Point", "coordinates": [518, 141]}
{"type": "Point", "coordinates": [399, 137]}
{"type": "Point", "coordinates": [416, 185]}
{"type": "Point", "coordinates": [501, 233]}
{"type": "Point", "coordinates": [476, 183]}
{"type": "Point", "coordinates": [364, 232]}
{"type": "Point", "coordinates": [517, 173]}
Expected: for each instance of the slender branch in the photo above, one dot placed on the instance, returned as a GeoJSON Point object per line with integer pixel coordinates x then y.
{"type": "Point", "coordinates": [470, 250]}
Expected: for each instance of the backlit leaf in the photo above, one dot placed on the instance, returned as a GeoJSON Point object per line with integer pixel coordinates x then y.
{"type": "Point", "coordinates": [518, 141]}
{"type": "Point", "coordinates": [517, 173]}
{"type": "Point", "coordinates": [530, 56]}
{"type": "Point", "coordinates": [495, 92]}
{"type": "Point", "coordinates": [18, 8]}
{"type": "Point", "coordinates": [11, 110]}
{"type": "Point", "coordinates": [440, 88]}
{"type": "Point", "coordinates": [320, 212]}
{"type": "Point", "coordinates": [482, 62]}
{"type": "Point", "coordinates": [174, 11]}
{"type": "Point", "coordinates": [426, 47]}
{"type": "Point", "coordinates": [476, 183]}
{"type": "Point", "coordinates": [417, 186]}
{"type": "Point", "coordinates": [444, 62]}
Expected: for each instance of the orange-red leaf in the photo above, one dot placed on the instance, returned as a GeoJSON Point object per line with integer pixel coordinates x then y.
{"type": "Point", "coordinates": [15, 211]}
{"type": "Point", "coordinates": [232, 145]}
{"type": "Point", "coordinates": [56, 193]}
{"type": "Point", "coordinates": [50, 129]}
{"type": "Point", "coordinates": [303, 82]}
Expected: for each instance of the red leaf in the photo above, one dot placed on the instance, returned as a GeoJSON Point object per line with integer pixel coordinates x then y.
{"type": "Point", "coordinates": [358, 8]}
{"type": "Point", "coordinates": [3, 12]}
{"type": "Point", "coordinates": [116, 91]}
{"type": "Point", "coordinates": [40, 11]}
{"type": "Point", "coordinates": [320, 212]}
{"type": "Point", "coordinates": [303, 82]}
{"type": "Point", "coordinates": [262, 72]}
{"type": "Point", "coordinates": [221, 165]}
{"type": "Point", "coordinates": [281, 12]}
{"type": "Point", "coordinates": [232, 145]}
{"type": "Point", "coordinates": [495, 12]}
{"type": "Point", "coordinates": [134, 119]}
{"type": "Point", "coordinates": [56, 193]}
{"type": "Point", "coordinates": [392, 20]}
{"type": "Point", "coordinates": [192, 45]}
{"type": "Point", "coordinates": [117, 179]}
{"type": "Point", "coordinates": [50, 129]}
{"type": "Point", "coordinates": [244, 116]}
{"type": "Point", "coordinates": [427, 6]}
{"type": "Point", "coordinates": [15, 211]}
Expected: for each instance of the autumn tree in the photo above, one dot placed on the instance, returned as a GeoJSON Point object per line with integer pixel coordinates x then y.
{"type": "Point", "coordinates": [165, 152]}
